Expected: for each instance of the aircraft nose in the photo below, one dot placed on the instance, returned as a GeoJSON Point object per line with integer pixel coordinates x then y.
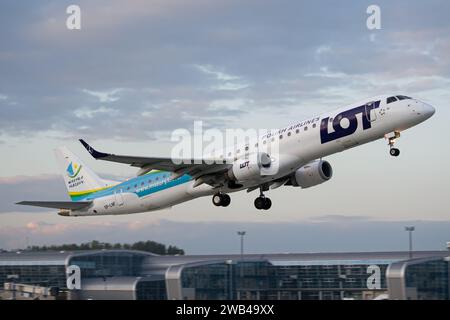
{"type": "Point", "coordinates": [428, 110]}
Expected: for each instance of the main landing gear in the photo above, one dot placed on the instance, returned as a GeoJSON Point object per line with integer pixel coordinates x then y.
{"type": "Point", "coordinates": [221, 200]}
{"type": "Point", "coordinates": [394, 151]}
{"type": "Point", "coordinates": [262, 202]}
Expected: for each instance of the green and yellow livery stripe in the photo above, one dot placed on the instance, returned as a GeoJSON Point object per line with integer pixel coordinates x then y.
{"type": "Point", "coordinates": [79, 194]}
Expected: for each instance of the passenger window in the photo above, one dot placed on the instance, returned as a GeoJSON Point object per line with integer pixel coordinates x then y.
{"type": "Point", "coordinates": [297, 131]}
{"type": "Point", "coordinates": [289, 134]}
{"type": "Point", "coordinates": [246, 148]}
{"type": "Point", "coordinates": [314, 125]}
{"type": "Point", "coordinates": [281, 136]}
{"type": "Point", "coordinates": [391, 99]}
{"type": "Point", "coordinates": [306, 128]}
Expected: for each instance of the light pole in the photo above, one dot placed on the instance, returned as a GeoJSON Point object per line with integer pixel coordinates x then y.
{"type": "Point", "coordinates": [241, 234]}
{"type": "Point", "coordinates": [230, 278]}
{"type": "Point", "coordinates": [410, 230]}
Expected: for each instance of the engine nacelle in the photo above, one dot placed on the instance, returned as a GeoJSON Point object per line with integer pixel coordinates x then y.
{"type": "Point", "coordinates": [312, 174]}
{"type": "Point", "coordinates": [249, 168]}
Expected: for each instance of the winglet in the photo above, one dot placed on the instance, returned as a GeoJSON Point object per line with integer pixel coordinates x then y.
{"type": "Point", "coordinates": [96, 154]}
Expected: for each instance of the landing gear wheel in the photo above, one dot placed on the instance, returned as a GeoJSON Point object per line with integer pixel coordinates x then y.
{"type": "Point", "coordinates": [267, 203]}
{"type": "Point", "coordinates": [394, 152]}
{"type": "Point", "coordinates": [263, 203]}
{"type": "Point", "coordinates": [217, 200]}
{"type": "Point", "coordinates": [226, 200]}
{"type": "Point", "coordinates": [221, 200]}
{"type": "Point", "coordinates": [259, 203]}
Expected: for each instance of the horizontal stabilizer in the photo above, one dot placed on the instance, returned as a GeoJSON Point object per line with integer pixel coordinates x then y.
{"type": "Point", "coordinates": [57, 204]}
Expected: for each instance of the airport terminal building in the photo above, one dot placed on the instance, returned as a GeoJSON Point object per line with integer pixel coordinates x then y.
{"type": "Point", "coordinates": [127, 274]}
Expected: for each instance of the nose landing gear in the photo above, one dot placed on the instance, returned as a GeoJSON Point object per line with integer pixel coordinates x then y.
{"type": "Point", "coordinates": [394, 151]}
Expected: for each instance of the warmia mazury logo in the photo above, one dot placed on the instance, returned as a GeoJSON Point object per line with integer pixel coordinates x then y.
{"type": "Point", "coordinates": [73, 170]}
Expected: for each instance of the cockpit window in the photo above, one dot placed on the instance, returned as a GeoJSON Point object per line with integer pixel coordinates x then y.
{"type": "Point", "coordinates": [391, 99]}
{"type": "Point", "coordinates": [403, 97]}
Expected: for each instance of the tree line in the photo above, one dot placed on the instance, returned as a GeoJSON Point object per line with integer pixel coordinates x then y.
{"type": "Point", "coordinates": [148, 246]}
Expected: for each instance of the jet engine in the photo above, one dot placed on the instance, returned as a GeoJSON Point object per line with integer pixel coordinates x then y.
{"type": "Point", "coordinates": [249, 168]}
{"type": "Point", "coordinates": [312, 174]}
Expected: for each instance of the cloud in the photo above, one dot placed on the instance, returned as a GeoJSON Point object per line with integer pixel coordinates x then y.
{"type": "Point", "coordinates": [105, 96]}
{"type": "Point", "coordinates": [46, 229]}
{"type": "Point", "coordinates": [321, 50]}
{"type": "Point", "coordinates": [152, 53]}
{"type": "Point", "coordinates": [226, 81]}
{"type": "Point", "coordinates": [231, 104]}
{"type": "Point", "coordinates": [219, 75]}
{"type": "Point", "coordinates": [326, 73]}
{"type": "Point", "coordinates": [90, 113]}
{"type": "Point", "coordinates": [230, 86]}
{"type": "Point", "coordinates": [20, 188]}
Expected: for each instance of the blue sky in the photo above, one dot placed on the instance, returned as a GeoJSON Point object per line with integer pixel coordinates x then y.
{"type": "Point", "coordinates": [133, 74]}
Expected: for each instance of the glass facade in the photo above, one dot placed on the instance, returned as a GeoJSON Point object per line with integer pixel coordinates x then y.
{"type": "Point", "coordinates": [211, 281]}
{"type": "Point", "coordinates": [427, 280]}
{"type": "Point", "coordinates": [109, 264]}
{"type": "Point", "coordinates": [151, 290]}
{"type": "Point", "coordinates": [42, 275]}
{"type": "Point", "coordinates": [263, 280]}
{"type": "Point", "coordinates": [104, 264]}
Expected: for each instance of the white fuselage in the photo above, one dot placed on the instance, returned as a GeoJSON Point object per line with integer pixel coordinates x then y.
{"type": "Point", "coordinates": [298, 144]}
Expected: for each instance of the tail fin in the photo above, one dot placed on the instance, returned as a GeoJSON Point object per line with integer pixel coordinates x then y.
{"type": "Point", "coordinates": [80, 180]}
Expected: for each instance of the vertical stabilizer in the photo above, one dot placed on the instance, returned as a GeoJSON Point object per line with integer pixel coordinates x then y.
{"type": "Point", "coordinates": [80, 180]}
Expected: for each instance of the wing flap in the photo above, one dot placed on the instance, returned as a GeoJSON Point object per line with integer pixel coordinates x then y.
{"type": "Point", "coordinates": [57, 204]}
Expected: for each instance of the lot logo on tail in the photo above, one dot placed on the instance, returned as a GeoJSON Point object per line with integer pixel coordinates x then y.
{"type": "Point", "coordinates": [73, 169]}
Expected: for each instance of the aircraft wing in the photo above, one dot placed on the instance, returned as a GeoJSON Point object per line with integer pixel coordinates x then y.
{"type": "Point", "coordinates": [195, 168]}
{"type": "Point", "coordinates": [57, 204]}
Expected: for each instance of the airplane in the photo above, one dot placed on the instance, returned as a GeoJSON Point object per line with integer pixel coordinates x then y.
{"type": "Point", "coordinates": [163, 182]}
